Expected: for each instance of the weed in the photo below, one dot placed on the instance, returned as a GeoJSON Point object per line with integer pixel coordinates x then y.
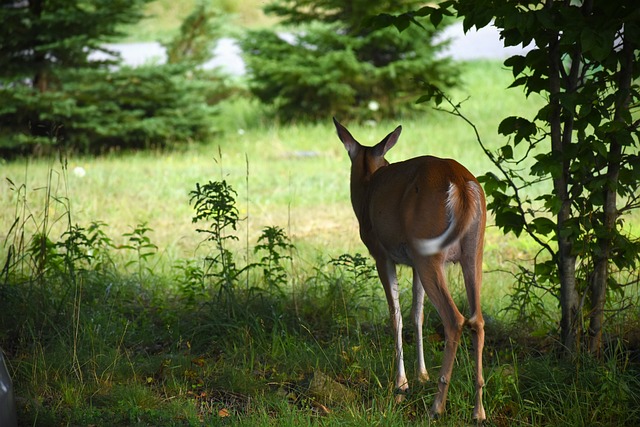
{"type": "Point", "coordinates": [356, 288]}
{"type": "Point", "coordinates": [214, 202]}
{"type": "Point", "coordinates": [140, 243]}
{"type": "Point", "coordinates": [272, 243]}
{"type": "Point", "coordinates": [190, 279]}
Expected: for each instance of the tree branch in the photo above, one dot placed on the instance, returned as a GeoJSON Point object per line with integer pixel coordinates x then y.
{"type": "Point", "coordinates": [456, 112]}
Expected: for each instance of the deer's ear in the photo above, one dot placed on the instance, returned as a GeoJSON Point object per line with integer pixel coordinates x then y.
{"type": "Point", "coordinates": [387, 143]}
{"type": "Point", "coordinates": [350, 144]}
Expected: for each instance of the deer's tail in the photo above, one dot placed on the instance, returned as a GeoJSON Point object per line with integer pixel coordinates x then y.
{"type": "Point", "coordinates": [463, 206]}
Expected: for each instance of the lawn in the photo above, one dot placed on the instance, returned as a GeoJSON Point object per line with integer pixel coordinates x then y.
{"type": "Point", "coordinates": [134, 323]}
{"type": "Point", "coordinates": [292, 176]}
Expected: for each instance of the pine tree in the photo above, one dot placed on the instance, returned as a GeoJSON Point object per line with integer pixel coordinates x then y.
{"type": "Point", "coordinates": [39, 38]}
{"type": "Point", "coordinates": [53, 95]}
{"type": "Point", "coordinates": [328, 61]}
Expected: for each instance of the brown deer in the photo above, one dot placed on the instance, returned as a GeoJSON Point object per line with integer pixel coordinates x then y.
{"type": "Point", "coordinates": [422, 212]}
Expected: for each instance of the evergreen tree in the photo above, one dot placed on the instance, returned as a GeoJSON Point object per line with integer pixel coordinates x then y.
{"type": "Point", "coordinates": [327, 61]}
{"type": "Point", "coordinates": [51, 94]}
{"type": "Point", "coordinates": [39, 38]}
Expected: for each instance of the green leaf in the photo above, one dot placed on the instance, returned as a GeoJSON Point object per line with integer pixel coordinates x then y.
{"type": "Point", "coordinates": [426, 11]}
{"type": "Point", "coordinates": [543, 225]}
{"type": "Point", "coordinates": [523, 128]}
{"type": "Point", "coordinates": [520, 81]}
{"type": "Point", "coordinates": [492, 184]}
{"type": "Point", "coordinates": [510, 220]}
{"type": "Point", "coordinates": [506, 152]}
{"type": "Point", "coordinates": [402, 22]}
{"type": "Point", "coordinates": [436, 18]}
{"type": "Point", "coordinates": [552, 203]}
{"type": "Point", "coordinates": [517, 63]}
{"type": "Point", "coordinates": [597, 42]}
{"type": "Point", "coordinates": [545, 269]}
{"type": "Point", "coordinates": [508, 126]}
{"type": "Point", "coordinates": [380, 21]}
{"type": "Point", "coordinates": [548, 164]}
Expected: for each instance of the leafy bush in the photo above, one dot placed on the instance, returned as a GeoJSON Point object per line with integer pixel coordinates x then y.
{"type": "Point", "coordinates": [325, 64]}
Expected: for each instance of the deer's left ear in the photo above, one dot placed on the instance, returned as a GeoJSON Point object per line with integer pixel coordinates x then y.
{"type": "Point", "coordinates": [350, 144]}
{"type": "Point", "coordinates": [388, 142]}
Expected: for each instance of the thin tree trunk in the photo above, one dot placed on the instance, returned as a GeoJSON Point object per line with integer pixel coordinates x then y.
{"type": "Point", "coordinates": [569, 296]}
{"type": "Point", "coordinates": [40, 77]}
{"type": "Point", "coordinates": [598, 285]}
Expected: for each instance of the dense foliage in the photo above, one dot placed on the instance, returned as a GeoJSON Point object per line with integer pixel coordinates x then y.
{"type": "Point", "coordinates": [52, 94]}
{"type": "Point", "coordinates": [101, 110]}
{"type": "Point", "coordinates": [326, 61]}
{"type": "Point", "coordinates": [586, 61]}
{"type": "Point", "coordinates": [40, 38]}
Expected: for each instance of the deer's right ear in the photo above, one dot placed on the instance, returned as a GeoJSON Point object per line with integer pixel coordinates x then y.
{"type": "Point", "coordinates": [387, 143]}
{"type": "Point", "coordinates": [350, 144]}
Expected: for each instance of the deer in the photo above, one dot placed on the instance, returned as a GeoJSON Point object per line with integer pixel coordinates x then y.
{"type": "Point", "coordinates": [423, 212]}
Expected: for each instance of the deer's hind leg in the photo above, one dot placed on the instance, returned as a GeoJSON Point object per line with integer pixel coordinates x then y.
{"type": "Point", "coordinates": [387, 273]}
{"type": "Point", "coordinates": [432, 276]}
{"type": "Point", "coordinates": [471, 263]}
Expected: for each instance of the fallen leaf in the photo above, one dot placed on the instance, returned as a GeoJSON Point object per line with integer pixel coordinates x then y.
{"type": "Point", "coordinates": [320, 408]}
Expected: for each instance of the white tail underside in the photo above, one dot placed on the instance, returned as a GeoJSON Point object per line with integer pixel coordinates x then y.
{"type": "Point", "coordinates": [437, 244]}
{"type": "Point", "coordinates": [433, 246]}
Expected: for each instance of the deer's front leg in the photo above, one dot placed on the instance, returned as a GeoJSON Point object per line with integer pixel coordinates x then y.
{"type": "Point", "coordinates": [387, 274]}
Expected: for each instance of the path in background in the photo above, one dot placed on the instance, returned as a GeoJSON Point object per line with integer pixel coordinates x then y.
{"type": "Point", "coordinates": [484, 43]}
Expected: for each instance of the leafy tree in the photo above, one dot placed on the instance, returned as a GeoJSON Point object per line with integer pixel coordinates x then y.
{"type": "Point", "coordinates": [583, 144]}
{"type": "Point", "coordinates": [586, 61]}
{"type": "Point", "coordinates": [325, 61]}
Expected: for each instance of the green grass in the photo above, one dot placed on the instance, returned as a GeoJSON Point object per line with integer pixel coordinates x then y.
{"type": "Point", "coordinates": [296, 174]}
{"type": "Point", "coordinates": [130, 341]}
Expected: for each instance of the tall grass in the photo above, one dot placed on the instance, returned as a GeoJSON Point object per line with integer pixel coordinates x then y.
{"type": "Point", "coordinates": [97, 332]}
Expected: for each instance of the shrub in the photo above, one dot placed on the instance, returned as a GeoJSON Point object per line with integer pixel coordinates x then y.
{"type": "Point", "coordinates": [102, 110]}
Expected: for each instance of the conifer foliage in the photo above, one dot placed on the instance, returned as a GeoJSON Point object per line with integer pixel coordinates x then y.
{"type": "Point", "coordinates": [52, 93]}
{"type": "Point", "coordinates": [326, 60]}
{"type": "Point", "coordinates": [42, 37]}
